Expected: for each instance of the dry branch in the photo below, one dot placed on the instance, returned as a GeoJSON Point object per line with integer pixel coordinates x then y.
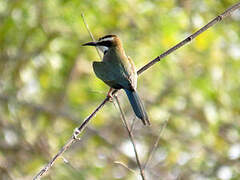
{"type": "Point", "coordinates": [130, 134]}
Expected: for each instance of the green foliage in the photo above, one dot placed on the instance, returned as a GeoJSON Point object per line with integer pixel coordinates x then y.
{"type": "Point", "coordinates": [47, 88]}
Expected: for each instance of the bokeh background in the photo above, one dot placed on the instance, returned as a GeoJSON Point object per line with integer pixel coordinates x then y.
{"type": "Point", "coordinates": [47, 88]}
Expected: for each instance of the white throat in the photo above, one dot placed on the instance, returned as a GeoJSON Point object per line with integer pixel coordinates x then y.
{"type": "Point", "coordinates": [104, 49]}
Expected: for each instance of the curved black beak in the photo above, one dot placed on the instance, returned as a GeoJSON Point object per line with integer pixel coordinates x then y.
{"type": "Point", "coordinates": [90, 44]}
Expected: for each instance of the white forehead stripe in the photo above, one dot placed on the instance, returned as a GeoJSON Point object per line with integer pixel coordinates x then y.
{"type": "Point", "coordinates": [107, 39]}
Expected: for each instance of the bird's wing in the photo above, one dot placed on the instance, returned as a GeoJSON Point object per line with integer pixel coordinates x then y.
{"type": "Point", "coordinates": [111, 75]}
{"type": "Point", "coordinates": [129, 72]}
{"type": "Point", "coordinates": [133, 73]}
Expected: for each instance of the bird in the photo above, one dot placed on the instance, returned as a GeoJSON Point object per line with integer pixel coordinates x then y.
{"type": "Point", "coordinates": [119, 72]}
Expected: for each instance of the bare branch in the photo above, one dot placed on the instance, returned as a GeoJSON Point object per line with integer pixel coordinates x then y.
{"type": "Point", "coordinates": [125, 166]}
{"type": "Point", "coordinates": [38, 108]}
{"type": "Point", "coordinates": [130, 137]}
{"type": "Point", "coordinates": [155, 144]}
{"type": "Point", "coordinates": [50, 164]}
{"type": "Point", "coordinates": [90, 34]}
{"type": "Point", "coordinates": [191, 37]}
{"type": "Point", "coordinates": [71, 141]}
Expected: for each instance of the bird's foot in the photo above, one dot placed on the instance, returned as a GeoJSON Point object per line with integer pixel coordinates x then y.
{"type": "Point", "coordinates": [110, 95]}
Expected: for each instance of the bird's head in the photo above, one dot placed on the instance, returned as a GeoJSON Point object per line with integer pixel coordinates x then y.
{"type": "Point", "coordinates": [106, 42]}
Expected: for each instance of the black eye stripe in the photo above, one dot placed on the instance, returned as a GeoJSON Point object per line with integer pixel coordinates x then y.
{"type": "Point", "coordinates": [105, 43]}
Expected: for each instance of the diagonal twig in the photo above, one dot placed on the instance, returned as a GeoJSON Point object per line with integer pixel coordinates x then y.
{"type": "Point", "coordinates": [140, 71]}
{"type": "Point", "coordinates": [71, 141]}
{"type": "Point", "coordinates": [191, 37]}
{"type": "Point", "coordinates": [90, 34]}
{"type": "Point", "coordinates": [155, 144]}
{"type": "Point", "coordinates": [130, 137]}
{"type": "Point", "coordinates": [125, 166]}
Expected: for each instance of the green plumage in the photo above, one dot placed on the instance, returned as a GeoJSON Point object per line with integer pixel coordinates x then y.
{"type": "Point", "coordinates": [118, 71]}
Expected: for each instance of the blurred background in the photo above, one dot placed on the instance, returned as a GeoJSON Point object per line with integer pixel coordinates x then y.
{"type": "Point", "coordinates": [47, 88]}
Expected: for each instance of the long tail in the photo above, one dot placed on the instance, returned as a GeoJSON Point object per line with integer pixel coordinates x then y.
{"type": "Point", "coordinates": [137, 106]}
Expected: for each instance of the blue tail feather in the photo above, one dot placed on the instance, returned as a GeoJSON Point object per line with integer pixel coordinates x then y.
{"type": "Point", "coordinates": [137, 106]}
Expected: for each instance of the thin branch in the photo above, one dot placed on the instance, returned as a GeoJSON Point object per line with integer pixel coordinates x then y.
{"type": "Point", "coordinates": [191, 37]}
{"type": "Point", "coordinates": [50, 164]}
{"type": "Point", "coordinates": [69, 164]}
{"type": "Point", "coordinates": [140, 71]}
{"type": "Point", "coordinates": [71, 141]}
{"type": "Point", "coordinates": [125, 166]}
{"type": "Point", "coordinates": [133, 123]}
{"type": "Point", "coordinates": [38, 108]}
{"type": "Point", "coordinates": [155, 145]}
{"type": "Point", "coordinates": [90, 34]}
{"type": "Point", "coordinates": [130, 137]}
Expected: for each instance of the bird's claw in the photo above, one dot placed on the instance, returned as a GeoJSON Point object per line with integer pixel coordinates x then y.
{"type": "Point", "coordinates": [110, 95]}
